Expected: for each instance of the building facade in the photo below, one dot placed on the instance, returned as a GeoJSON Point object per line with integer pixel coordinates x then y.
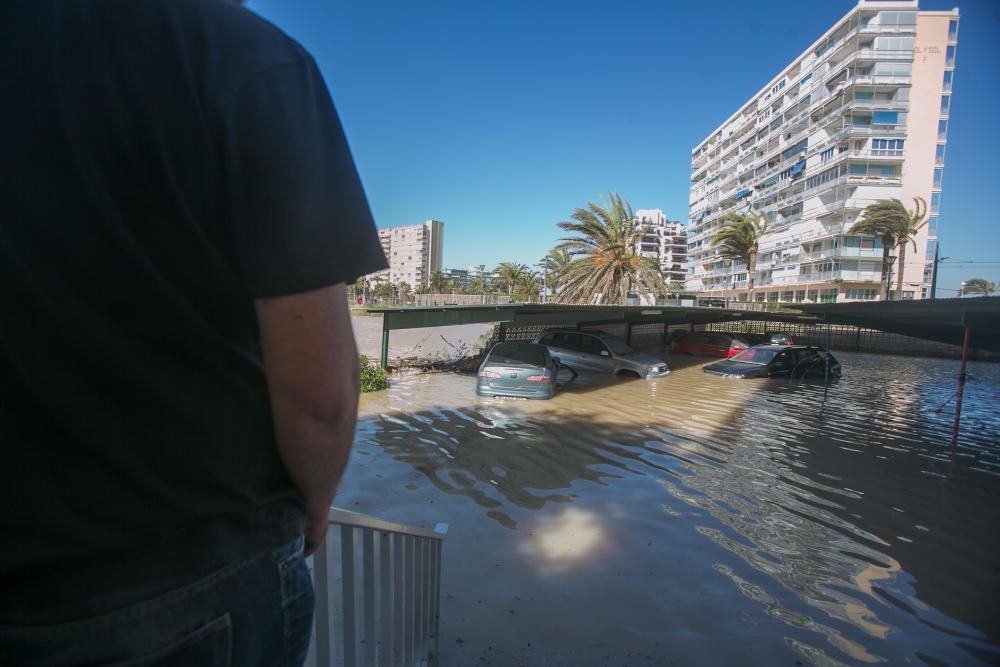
{"type": "Point", "coordinates": [861, 115]}
{"type": "Point", "coordinates": [666, 242]}
{"type": "Point", "coordinates": [414, 253]}
{"type": "Point", "coordinates": [458, 276]}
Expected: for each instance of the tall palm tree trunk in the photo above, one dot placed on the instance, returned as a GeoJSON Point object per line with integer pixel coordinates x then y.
{"type": "Point", "coordinates": [884, 280]}
{"type": "Point", "coordinates": [751, 269]}
{"type": "Point", "coordinates": [900, 264]}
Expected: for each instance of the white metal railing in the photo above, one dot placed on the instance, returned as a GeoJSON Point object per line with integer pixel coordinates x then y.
{"type": "Point", "coordinates": [378, 593]}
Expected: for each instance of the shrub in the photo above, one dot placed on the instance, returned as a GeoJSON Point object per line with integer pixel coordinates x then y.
{"type": "Point", "coordinates": [373, 376]}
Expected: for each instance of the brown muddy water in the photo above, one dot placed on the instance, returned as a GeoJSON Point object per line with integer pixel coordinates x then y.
{"type": "Point", "coordinates": [696, 520]}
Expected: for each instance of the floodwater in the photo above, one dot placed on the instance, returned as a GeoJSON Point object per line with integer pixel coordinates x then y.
{"type": "Point", "coordinates": [698, 520]}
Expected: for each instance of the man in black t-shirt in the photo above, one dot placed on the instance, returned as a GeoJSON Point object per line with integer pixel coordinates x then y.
{"type": "Point", "coordinates": [178, 376]}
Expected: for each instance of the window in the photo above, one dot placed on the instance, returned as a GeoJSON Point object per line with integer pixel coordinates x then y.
{"type": "Point", "coordinates": [935, 202]}
{"type": "Point", "coordinates": [942, 130]}
{"type": "Point", "coordinates": [949, 75]}
{"type": "Point", "coordinates": [949, 57]}
{"type": "Point", "coordinates": [855, 294]}
{"type": "Point", "coordinates": [952, 30]}
{"type": "Point", "coordinates": [885, 118]}
{"type": "Point", "coordinates": [945, 104]}
{"type": "Point", "coordinates": [859, 170]}
{"type": "Point", "coordinates": [772, 297]}
{"type": "Point", "coordinates": [939, 156]}
{"type": "Point", "coordinates": [938, 177]}
{"type": "Point", "coordinates": [819, 179]}
{"type": "Point", "coordinates": [800, 296]}
{"type": "Point", "coordinates": [827, 154]}
{"type": "Point", "coordinates": [828, 296]}
{"type": "Point", "coordinates": [592, 345]}
{"type": "Point", "coordinates": [806, 79]}
{"type": "Point", "coordinates": [894, 43]}
{"type": "Point", "coordinates": [788, 297]}
{"type": "Point", "coordinates": [892, 69]}
{"type": "Point", "coordinates": [887, 147]}
{"type": "Point", "coordinates": [864, 97]}
{"type": "Point", "coordinates": [932, 225]}
{"type": "Point", "coordinates": [868, 244]}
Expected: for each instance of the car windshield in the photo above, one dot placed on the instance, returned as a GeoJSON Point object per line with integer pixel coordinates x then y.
{"type": "Point", "coordinates": [755, 355]}
{"type": "Point", "coordinates": [617, 345]}
{"type": "Point", "coordinates": [524, 354]}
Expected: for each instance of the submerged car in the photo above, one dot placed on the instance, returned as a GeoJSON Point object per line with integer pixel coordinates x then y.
{"type": "Point", "coordinates": [710, 344]}
{"type": "Point", "coordinates": [594, 350]}
{"type": "Point", "coordinates": [790, 361]}
{"type": "Point", "coordinates": [520, 370]}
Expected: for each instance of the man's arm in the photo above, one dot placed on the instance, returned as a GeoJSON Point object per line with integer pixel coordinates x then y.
{"type": "Point", "coordinates": [311, 363]}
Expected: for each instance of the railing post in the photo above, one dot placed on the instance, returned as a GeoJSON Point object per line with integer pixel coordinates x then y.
{"type": "Point", "coordinates": [350, 600]}
{"type": "Point", "coordinates": [386, 608]}
{"type": "Point", "coordinates": [322, 581]}
{"type": "Point", "coordinates": [368, 555]}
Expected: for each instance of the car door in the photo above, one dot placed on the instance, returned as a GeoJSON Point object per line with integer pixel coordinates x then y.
{"type": "Point", "coordinates": [595, 354]}
{"type": "Point", "coordinates": [781, 365]}
{"type": "Point", "coordinates": [565, 346]}
{"type": "Point", "coordinates": [716, 345]}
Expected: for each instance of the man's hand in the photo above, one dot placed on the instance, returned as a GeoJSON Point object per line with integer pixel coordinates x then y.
{"type": "Point", "coordinates": [311, 363]}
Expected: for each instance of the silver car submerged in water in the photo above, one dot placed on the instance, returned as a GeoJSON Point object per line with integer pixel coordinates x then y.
{"type": "Point", "coordinates": [519, 370]}
{"type": "Point", "coordinates": [594, 350]}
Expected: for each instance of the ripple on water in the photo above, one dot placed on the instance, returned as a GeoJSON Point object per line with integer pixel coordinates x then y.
{"type": "Point", "coordinates": [844, 511]}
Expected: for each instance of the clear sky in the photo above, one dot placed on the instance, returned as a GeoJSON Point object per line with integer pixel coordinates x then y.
{"type": "Point", "coordinates": [500, 118]}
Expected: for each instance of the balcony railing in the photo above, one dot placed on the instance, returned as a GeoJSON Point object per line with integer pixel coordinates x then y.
{"type": "Point", "coordinates": [378, 593]}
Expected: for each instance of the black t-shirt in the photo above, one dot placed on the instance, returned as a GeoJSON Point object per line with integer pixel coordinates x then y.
{"type": "Point", "coordinates": [163, 163]}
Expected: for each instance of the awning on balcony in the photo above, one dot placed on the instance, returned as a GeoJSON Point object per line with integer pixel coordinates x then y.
{"type": "Point", "coordinates": [771, 181]}
{"type": "Point", "coordinates": [799, 166]}
{"type": "Point", "coordinates": [743, 193]}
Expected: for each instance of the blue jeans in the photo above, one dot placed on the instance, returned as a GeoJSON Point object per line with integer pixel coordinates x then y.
{"type": "Point", "coordinates": [254, 613]}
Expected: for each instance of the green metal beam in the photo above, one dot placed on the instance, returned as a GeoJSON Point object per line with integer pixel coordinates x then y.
{"type": "Point", "coordinates": [417, 319]}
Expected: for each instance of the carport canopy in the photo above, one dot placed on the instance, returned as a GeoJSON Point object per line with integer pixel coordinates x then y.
{"type": "Point", "coordinates": [941, 320]}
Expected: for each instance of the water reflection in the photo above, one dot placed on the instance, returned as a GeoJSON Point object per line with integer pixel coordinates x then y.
{"type": "Point", "coordinates": [838, 510]}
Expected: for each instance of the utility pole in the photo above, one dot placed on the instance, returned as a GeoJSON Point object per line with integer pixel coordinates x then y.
{"type": "Point", "coordinates": [934, 271]}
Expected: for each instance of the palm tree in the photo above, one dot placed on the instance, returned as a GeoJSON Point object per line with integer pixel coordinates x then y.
{"type": "Point", "coordinates": [477, 286]}
{"type": "Point", "coordinates": [528, 285]}
{"type": "Point", "coordinates": [437, 281]}
{"type": "Point", "coordinates": [509, 273]}
{"type": "Point", "coordinates": [980, 286]}
{"type": "Point", "coordinates": [605, 265]}
{"type": "Point", "coordinates": [555, 264]}
{"type": "Point", "coordinates": [885, 219]}
{"type": "Point", "coordinates": [905, 235]}
{"type": "Point", "coordinates": [738, 239]}
{"type": "Point", "coordinates": [403, 291]}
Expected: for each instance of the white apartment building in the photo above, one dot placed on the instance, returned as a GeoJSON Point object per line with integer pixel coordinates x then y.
{"type": "Point", "coordinates": [666, 242]}
{"type": "Point", "coordinates": [414, 253]}
{"type": "Point", "coordinates": [861, 115]}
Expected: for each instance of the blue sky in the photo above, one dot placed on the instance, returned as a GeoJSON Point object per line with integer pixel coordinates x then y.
{"type": "Point", "coordinates": [500, 118]}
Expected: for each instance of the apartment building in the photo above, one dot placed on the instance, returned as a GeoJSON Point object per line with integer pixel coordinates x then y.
{"type": "Point", "coordinates": [666, 242]}
{"type": "Point", "coordinates": [861, 115]}
{"type": "Point", "coordinates": [414, 253]}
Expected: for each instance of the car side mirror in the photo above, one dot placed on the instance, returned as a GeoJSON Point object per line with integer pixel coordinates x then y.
{"type": "Point", "coordinates": [605, 353]}
{"type": "Point", "coordinates": [555, 360]}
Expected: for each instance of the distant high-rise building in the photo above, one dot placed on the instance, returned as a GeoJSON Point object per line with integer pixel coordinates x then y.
{"type": "Point", "coordinates": [458, 276]}
{"type": "Point", "coordinates": [414, 253]}
{"type": "Point", "coordinates": [479, 272]}
{"type": "Point", "coordinates": [861, 115]}
{"type": "Point", "coordinates": [665, 241]}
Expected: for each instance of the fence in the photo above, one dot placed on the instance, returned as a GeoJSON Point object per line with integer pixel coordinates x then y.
{"type": "Point", "coordinates": [834, 336]}
{"type": "Point", "coordinates": [378, 593]}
